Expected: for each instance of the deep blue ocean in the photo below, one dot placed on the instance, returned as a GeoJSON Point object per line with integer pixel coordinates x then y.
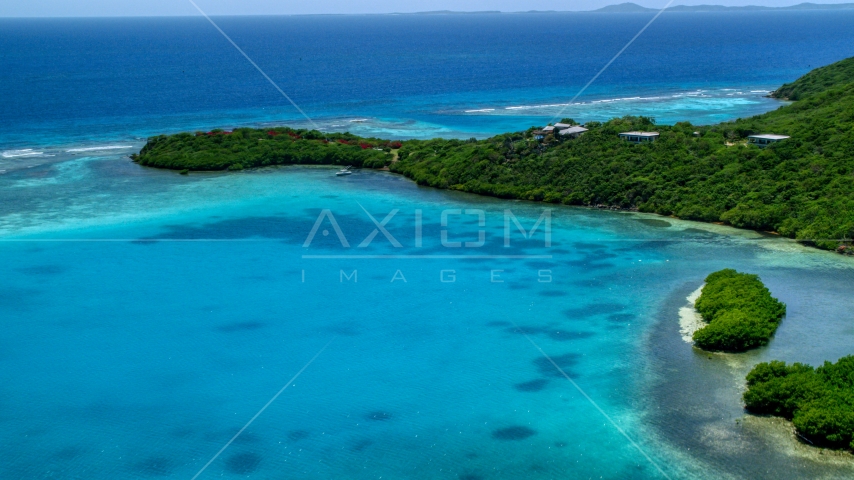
{"type": "Point", "coordinates": [408, 76]}
{"type": "Point", "coordinates": [148, 316]}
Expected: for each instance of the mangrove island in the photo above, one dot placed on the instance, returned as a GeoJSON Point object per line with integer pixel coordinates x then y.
{"type": "Point", "coordinates": [740, 311]}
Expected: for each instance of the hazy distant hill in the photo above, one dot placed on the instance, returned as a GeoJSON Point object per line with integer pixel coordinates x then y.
{"type": "Point", "coordinates": [451, 12]}
{"type": "Point", "coordinates": [625, 8]}
{"type": "Point", "coordinates": [634, 8]}
{"type": "Point", "coordinates": [629, 7]}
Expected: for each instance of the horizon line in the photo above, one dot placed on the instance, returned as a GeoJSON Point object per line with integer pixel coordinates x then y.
{"type": "Point", "coordinates": [603, 9]}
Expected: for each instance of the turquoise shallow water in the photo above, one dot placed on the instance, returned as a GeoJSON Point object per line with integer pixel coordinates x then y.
{"type": "Point", "coordinates": [149, 316]}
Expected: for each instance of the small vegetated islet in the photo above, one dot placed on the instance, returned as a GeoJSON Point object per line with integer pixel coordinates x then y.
{"type": "Point", "coordinates": [740, 311]}
{"type": "Point", "coordinates": [818, 401]}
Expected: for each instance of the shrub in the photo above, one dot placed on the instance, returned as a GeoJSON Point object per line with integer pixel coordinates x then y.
{"type": "Point", "coordinates": [819, 402]}
{"type": "Point", "coordinates": [740, 311]}
{"type": "Point", "coordinates": [247, 148]}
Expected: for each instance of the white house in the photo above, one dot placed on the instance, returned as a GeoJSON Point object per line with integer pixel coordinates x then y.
{"type": "Point", "coordinates": [639, 137]}
{"type": "Point", "coordinates": [573, 132]}
{"type": "Point", "coordinates": [765, 139]}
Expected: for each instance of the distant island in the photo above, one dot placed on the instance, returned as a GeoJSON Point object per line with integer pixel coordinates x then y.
{"type": "Point", "coordinates": [801, 187]}
{"type": "Point", "coordinates": [635, 8]}
{"type": "Point", "coordinates": [629, 7]}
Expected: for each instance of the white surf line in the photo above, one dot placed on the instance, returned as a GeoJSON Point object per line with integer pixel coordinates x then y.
{"type": "Point", "coordinates": [27, 152]}
{"type": "Point", "coordinates": [261, 411]}
{"type": "Point", "coordinates": [592, 402]}
{"type": "Point", "coordinates": [615, 58]}
{"type": "Point", "coordinates": [97, 149]}
{"type": "Point", "coordinates": [256, 65]}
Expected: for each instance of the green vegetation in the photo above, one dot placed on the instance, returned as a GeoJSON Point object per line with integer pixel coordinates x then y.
{"type": "Point", "coordinates": [740, 311]}
{"type": "Point", "coordinates": [802, 187]}
{"type": "Point", "coordinates": [247, 147]}
{"type": "Point", "coordinates": [817, 81]}
{"type": "Point", "coordinates": [819, 401]}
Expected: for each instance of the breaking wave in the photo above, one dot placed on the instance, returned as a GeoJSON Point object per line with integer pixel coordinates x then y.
{"type": "Point", "coordinates": [95, 149]}
{"type": "Point", "coordinates": [26, 152]}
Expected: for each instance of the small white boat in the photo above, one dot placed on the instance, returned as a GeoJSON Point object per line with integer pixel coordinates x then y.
{"type": "Point", "coordinates": [344, 171]}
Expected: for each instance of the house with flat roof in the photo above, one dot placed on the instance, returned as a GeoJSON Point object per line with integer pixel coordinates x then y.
{"type": "Point", "coordinates": [572, 132]}
{"type": "Point", "coordinates": [639, 137]}
{"type": "Point", "coordinates": [564, 129]}
{"type": "Point", "coordinates": [765, 139]}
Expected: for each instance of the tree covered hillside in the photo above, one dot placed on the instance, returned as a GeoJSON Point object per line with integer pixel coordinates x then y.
{"type": "Point", "coordinates": [817, 81]}
{"type": "Point", "coordinates": [802, 187]}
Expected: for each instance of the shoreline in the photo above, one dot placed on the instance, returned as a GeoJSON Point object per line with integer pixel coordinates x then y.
{"type": "Point", "coordinates": [693, 399]}
{"type": "Point", "coordinates": [690, 319]}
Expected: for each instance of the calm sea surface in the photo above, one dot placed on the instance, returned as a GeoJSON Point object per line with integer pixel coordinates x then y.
{"type": "Point", "coordinates": [148, 316]}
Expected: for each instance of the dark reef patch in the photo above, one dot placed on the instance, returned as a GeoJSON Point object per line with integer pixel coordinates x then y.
{"type": "Point", "coordinates": [297, 435]}
{"type": "Point", "coordinates": [652, 222]}
{"type": "Point", "coordinates": [621, 317]}
{"type": "Point", "coordinates": [587, 265]}
{"type": "Point", "coordinates": [565, 336]}
{"type": "Point", "coordinates": [699, 231]}
{"type": "Point", "coordinates": [593, 309]}
{"type": "Point", "coordinates": [565, 362]}
{"type": "Point", "coordinates": [240, 327]}
{"type": "Point", "coordinates": [360, 445]}
{"type": "Point", "coordinates": [588, 246]}
{"type": "Point", "coordinates": [532, 386]}
{"type": "Point", "coordinates": [541, 265]}
{"type": "Point", "coordinates": [342, 329]}
{"type": "Point", "coordinates": [182, 432]}
{"type": "Point", "coordinates": [155, 466]}
{"type": "Point", "coordinates": [470, 476]}
{"type": "Point", "coordinates": [525, 330]}
{"type": "Point", "coordinates": [590, 283]}
{"type": "Point", "coordinates": [379, 416]}
{"type": "Point", "coordinates": [242, 463]}
{"type": "Point", "coordinates": [513, 433]}
{"type": "Point", "coordinates": [17, 298]}
{"type": "Point", "coordinates": [68, 453]}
